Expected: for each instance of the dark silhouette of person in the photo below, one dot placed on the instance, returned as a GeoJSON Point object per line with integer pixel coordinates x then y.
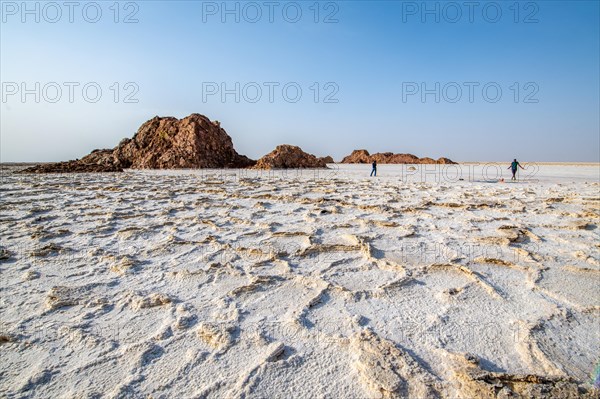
{"type": "Point", "coordinates": [374, 170]}
{"type": "Point", "coordinates": [514, 166]}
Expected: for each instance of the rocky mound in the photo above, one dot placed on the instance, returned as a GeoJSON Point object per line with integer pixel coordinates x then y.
{"type": "Point", "coordinates": [161, 143]}
{"type": "Point", "coordinates": [358, 156]}
{"type": "Point", "coordinates": [327, 159]}
{"type": "Point", "coordinates": [289, 157]}
{"type": "Point", "coordinates": [363, 156]}
{"type": "Point", "coordinates": [95, 162]}
{"type": "Point", "coordinates": [445, 161]}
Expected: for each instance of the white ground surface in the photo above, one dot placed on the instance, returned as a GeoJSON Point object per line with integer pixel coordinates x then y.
{"type": "Point", "coordinates": [297, 284]}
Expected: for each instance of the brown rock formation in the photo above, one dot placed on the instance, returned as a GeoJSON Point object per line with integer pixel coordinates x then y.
{"type": "Point", "coordinates": [427, 160]}
{"type": "Point", "coordinates": [161, 143]}
{"type": "Point", "coordinates": [327, 159]}
{"type": "Point", "coordinates": [191, 142]}
{"type": "Point", "coordinates": [289, 157]}
{"type": "Point", "coordinates": [95, 162]}
{"type": "Point", "coordinates": [363, 156]}
{"type": "Point", "coordinates": [358, 156]}
{"type": "Point", "coordinates": [443, 160]}
{"type": "Point", "coordinates": [388, 157]}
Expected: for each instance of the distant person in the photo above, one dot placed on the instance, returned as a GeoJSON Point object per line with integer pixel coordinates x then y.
{"type": "Point", "coordinates": [374, 170]}
{"type": "Point", "coordinates": [514, 166]}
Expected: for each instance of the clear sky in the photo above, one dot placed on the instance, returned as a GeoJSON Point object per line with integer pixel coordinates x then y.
{"type": "Point", "coordinates": [512, 79]}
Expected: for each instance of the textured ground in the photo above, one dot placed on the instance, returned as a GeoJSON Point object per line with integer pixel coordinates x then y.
{"type": "Point", "coordinates": [324, 284]}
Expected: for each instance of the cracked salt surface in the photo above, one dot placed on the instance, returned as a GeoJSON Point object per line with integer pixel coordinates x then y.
{"type": "Point", "coordinates": [304, 284]}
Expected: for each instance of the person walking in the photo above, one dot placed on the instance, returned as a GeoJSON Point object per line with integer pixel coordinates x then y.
{"type": "Point", "coordinates": [514, 166]}
{"type": "Point", "coordinates": [374, 170]}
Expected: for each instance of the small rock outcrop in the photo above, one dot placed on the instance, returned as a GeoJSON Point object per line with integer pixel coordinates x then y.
{"type": "Point", "coordinates": [161, 143]}
{"type": "Point", "coordinates": [445, 161]}
{"type": "Point", "coordinates": [363, 156]}
{"type": "Point", "coordinates": [358, 156]}
{"type": "Point", "coordinates": [327, 159]}
{"type": "Point", "coordinates": [289, 157]}
{"type": "Point", "coordinates": [95, 162]}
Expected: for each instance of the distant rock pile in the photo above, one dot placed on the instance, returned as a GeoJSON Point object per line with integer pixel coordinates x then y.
{"type": "Point", "coordinates": [327, 159]}
{"type": "Point", "coordinates": [161, 143]}
{"type": "Point", "coordinates": [290, 156]}
{"type": "Point", "coordinates": [363, 156]}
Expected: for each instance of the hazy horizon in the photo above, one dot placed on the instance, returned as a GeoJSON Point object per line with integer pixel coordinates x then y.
{"type": "Point", "coordinates": [434, 79]}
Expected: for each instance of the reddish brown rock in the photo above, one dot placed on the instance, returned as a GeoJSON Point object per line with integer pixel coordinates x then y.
{"type": "Point", "coordinates": [289, 157]}
{"type": "Point", "coordinates": [170, 143]}
{"type": "Point", "coordinates": [427, 160]}
{"type": "Point", "coordinates": [95, 162]}
{"type": "Point", "coordinates": [388, 157]}
{"type": "Point", "coordinates": [161, 143]}
{"type": "Point", "coordinates": [363, 156]}
{"type": "Point", "coordinates": [443, 160]}
{"type": "Point", "coordinates": [358, 156]}
{"type": "Point", "coordinates": [327, 159]}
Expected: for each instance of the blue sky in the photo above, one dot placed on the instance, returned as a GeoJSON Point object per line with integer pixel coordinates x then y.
{"type": "Point", "coordinates": [366, 59]}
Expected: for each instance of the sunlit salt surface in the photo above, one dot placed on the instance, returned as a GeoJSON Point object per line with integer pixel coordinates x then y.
{"type": "Point", "coordinates": [311, 283]}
